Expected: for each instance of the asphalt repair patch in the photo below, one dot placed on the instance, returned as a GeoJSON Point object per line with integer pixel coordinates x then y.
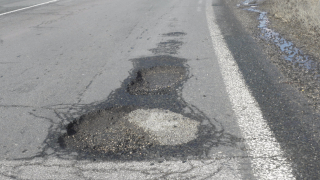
{"type": "Point", "coordinates": [142, 126]}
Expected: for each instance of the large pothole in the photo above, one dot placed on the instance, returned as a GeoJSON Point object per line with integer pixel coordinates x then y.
{"type": "Point", "coordinates": [144, 119]}
{"type": "Point", "coordinates": [157, 80]}
{"type": "Point", "coordinates": [128, 131]}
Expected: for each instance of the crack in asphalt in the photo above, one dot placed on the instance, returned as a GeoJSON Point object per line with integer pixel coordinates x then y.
{"type": "Point", "coordinates": [16, 170]}
{"type": "Point", "coordinates": [161, 172]}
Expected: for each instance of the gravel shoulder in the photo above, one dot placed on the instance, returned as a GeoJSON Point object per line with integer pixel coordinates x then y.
{"type": "Point", "coordinates": [287, 95]}
{"type": "Point", "coordinates": [306, 40]}
{"type": "Point", "coordinates": [305, 80]}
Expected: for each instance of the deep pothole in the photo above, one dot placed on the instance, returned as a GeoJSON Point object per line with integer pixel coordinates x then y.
{"type": "Point", "coordinates": [157, 80]}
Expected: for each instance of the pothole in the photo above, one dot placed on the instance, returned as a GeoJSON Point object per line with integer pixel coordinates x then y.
{"type": "Point", "coordinates": [106, 131]}
{"type": "Point", "coordinates": [156, 80]}
{"type": "Point", "coordinates": [128, 131]}
{"type": "Point", "coordinates": [167, 127]}
{"type": "Point", "coordinates": [148, 123]}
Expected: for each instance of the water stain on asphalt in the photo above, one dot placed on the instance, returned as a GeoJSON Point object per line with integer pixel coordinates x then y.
{"type": "Point", "coordinates": [140, 126]}
{"type": "Point", "coordinates": [175, 34]}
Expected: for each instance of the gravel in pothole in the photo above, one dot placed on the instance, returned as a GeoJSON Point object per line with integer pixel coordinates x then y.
{"type": "Point", "coordinates": [128, 130]}
{"type": "Point", "coordinates": [106, 131]}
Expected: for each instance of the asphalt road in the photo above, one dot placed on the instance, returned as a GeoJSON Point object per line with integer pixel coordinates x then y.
{"type": "Point", "coordinates": [180, 74]}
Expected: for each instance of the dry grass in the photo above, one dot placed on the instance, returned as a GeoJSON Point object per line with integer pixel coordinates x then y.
{"type": "Point", "coordinates": [302, 13]}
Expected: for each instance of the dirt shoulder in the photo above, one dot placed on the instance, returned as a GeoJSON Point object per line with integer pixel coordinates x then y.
{"type": "Point", "coordinates": [306, 38]}
{"type": "Point", "coordinates": [304, 79]}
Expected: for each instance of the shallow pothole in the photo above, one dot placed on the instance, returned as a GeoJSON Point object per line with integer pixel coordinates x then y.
{"type": "Point", "coordinates": [156, 80]}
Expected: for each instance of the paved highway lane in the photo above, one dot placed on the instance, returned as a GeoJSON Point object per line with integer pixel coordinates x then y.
{"type": "Point", "coordinates": [160, 82]}
{"type": "Point", "coordinates": [9, 6]}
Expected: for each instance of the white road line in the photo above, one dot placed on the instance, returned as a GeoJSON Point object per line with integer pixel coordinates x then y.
{"type": "Point", "coordinates": [28, 7]}
{"type": "Point", "coordinates": [267, 158]}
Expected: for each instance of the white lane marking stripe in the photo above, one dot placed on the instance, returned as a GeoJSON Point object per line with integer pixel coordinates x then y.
{"type": "Point", "coordinates": [267, 158]}
{"type": "Point", "coordinates": [28, 7]}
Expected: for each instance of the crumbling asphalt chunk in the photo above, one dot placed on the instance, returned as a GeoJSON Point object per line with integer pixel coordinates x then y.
{"type": "Point", "coordinates": [156, 80]}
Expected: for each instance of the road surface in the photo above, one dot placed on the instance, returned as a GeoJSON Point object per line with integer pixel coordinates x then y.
{"type": "Point", "coordinates": [182, 75]}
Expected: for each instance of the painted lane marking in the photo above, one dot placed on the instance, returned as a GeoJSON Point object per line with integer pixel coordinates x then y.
{"type": "Point", "coordinates": [28, 7]}
{"type": "Point", "coordinates": [267, 158]}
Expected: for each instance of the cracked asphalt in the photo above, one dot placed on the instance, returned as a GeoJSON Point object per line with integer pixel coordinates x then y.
{"type": "Point", "coordinates": [171, 89]}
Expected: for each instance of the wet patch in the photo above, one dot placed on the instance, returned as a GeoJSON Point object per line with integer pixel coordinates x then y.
{"type": "Point", "coordinates": [168, 47]}
{"type": "Point", "coordinates": [157, 80]}
{"type": "Point", "coordinates": [145, 127]}
{"type": "Point", "coordinates": [175, 34]}
{"type": "Point", "coordinates": [291, 53]}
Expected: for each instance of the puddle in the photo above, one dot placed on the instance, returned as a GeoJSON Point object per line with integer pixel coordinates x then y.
{"type": "Point", "coordinates": [290, 52]}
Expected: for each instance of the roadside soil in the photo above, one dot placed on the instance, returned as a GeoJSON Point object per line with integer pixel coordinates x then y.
{"type": "Point", "coordinates": [306, 81]}
{"type": "Point", "coordinates": [305, 39]}
{"type": "Point", "coordinates": [304, 84]}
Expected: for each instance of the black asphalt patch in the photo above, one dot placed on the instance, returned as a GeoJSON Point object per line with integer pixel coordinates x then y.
{"type": "Point", "coordinates": [168, 47]}
{"type": "Point", "coordinates": [157, 80]}
{"type": "Point", "coordinates": [87, 135]}
{"type": "Point", "coordinates": [175, 34]}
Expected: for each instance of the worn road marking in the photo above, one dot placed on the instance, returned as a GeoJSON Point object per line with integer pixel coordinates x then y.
{"type": "Point", "coordinates": [267, 158]}
{"type": "Point", "coordinates": [28, 7]}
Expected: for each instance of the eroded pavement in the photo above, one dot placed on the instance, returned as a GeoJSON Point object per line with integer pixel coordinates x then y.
{"type": "Point", "coordinates": [141, 99]}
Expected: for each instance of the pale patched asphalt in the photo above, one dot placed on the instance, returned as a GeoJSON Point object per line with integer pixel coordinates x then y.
{"type": "Point", "coordinates": [68, 58]}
